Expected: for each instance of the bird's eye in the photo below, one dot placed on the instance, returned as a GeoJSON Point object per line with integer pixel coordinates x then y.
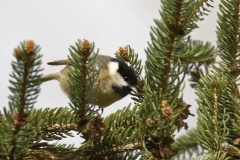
{"type": "Point", "coordinates": [125, 78]}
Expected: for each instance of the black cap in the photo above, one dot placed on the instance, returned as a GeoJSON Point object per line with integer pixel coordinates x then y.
{"type": "Point", "coordinates": [126, 71]}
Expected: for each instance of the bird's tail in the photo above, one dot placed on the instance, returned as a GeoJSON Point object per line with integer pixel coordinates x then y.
{"type": "Point", "coordinates": [49, 77]}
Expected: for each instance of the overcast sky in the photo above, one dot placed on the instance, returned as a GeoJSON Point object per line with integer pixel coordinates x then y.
{"type": "Point", "coordinates": [57, 24]}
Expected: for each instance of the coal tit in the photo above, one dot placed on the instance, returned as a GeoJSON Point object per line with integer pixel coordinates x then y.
{"type": "Point", "coordinates": [116, 78]}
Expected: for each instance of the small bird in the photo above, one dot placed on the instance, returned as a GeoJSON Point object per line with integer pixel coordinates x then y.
{"type": "Point", "coordinates": [116, 78]}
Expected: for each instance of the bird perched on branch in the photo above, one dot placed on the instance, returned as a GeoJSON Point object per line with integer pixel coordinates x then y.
{"type": "Point", "coordinates": [116, 78]}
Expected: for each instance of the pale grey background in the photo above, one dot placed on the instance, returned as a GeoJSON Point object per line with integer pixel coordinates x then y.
{"type": "Point", "coordinates": [57, 24]}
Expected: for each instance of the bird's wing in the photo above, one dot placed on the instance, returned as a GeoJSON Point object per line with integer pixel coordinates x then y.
{"type": "Point", "coordinates": [60, 62]}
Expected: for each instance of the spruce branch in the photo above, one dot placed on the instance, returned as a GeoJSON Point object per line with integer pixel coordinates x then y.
{"type": "Point", "coordinates": [165, 72]}
{"type": "Point", "coordinates": [147, 129]}
{"type": "Point", "coordinates": [26, 70]}
{"type": "Point", "coordinates": [187, 145]}
{"type": "Point", "coordinates": [121, 135]}
{"type": "Point", "coordinates": [200, 57]}
{"type": "Point", "coordinates": [54, 124]}
{"type": "Point", "coordinates": [82, 74]}
{"type": "Point", "coordinates": [212, 124]}
{"type": "Point", "coordinates": [53, 151]}
{"type": "Point", "coordinates": [196, 13]}
{"type": "Point", "coordinates": [228, 43]}
{"type": "Point", "coordinates": [228, 31]}
{"type": "Point", "coordinates": [80, 54]}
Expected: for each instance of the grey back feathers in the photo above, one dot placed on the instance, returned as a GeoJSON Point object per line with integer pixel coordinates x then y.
{"type": "Point", "coordinates": [102, 61]}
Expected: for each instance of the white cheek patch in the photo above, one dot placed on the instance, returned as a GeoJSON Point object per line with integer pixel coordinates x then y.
{"type": "Point", "coordinates": [117, 79]}
{"type": "Point", "coordinates": [112, 68]}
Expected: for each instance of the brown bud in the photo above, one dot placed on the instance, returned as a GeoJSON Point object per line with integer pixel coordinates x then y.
{"type": "Point", "coordinates": [86, 46]}
{"type": "Point", "coordinates": [17, 53]}
{"type": "Point", "coordinates": [165, 103]}
{"type": "Point", "coordinates": [149, 121]}
{"type": "Point", "coordinates": [29, 46]}
{"type": "Point", "coordinates": [122, 51]}
{"type": "Point", "coordinates": [167, 111]}
{"type": "Point", "coordinates": [20, 120]}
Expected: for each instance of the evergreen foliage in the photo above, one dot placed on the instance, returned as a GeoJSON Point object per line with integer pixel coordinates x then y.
{"type": "Point", "coordinates": [146, 129]}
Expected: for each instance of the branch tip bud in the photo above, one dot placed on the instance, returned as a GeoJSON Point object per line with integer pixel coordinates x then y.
{"type": "Point", "coordinates": [29, 46]}
{"type": "Point", "coordinates": [122, 51]}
